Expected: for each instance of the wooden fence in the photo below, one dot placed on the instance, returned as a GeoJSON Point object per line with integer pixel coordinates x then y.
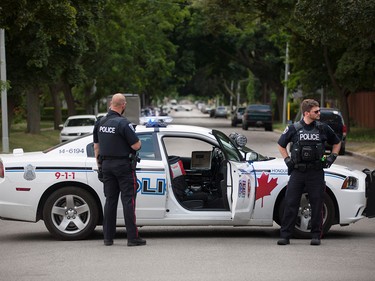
{"type": "Point", "coordinates": [362, 109]}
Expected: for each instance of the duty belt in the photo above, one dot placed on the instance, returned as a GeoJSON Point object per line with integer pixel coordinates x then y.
{"type": "Point", "coordinates": [302, 167]}
{"type": "Point", "coordinates": [125, 157]}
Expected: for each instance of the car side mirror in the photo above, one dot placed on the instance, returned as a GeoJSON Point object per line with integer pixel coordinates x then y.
{"type": "Point", "coordinates": [251, 156]}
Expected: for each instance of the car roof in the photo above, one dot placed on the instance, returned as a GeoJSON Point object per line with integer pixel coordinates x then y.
{"type": "Point", "coordinates": [82, 116]}
{"type": "Point", "coordinates": [174, 128]}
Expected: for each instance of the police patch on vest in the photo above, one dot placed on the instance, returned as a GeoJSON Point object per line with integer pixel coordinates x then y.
{"type": "Point", "coordinates": [309, 137]}
{"type": "Point", "coordinates": [107, 130]}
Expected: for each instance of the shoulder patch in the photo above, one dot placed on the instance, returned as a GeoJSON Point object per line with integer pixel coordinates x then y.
{"type": "Point", "coordinates": [286, 130]}
{"type": "Point", "coordinates": [131, 127]}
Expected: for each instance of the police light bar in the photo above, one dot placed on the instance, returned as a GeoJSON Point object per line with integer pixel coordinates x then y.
{"type": "Point", "coordinates": [155, 121]}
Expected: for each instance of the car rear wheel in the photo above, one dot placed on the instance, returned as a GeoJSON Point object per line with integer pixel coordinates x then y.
{"type": "Point", "coordinates": [70, 213]}
{"type": "Point", "coordinates": [303, 224]}
{"type": "Point", "coordinates": [268, 127]}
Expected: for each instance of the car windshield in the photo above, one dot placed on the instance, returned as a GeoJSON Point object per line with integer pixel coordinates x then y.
{"type": "Point", "coordinates": [229, 149]}
{"type": "Point", "coordinates": [80, 122]}
{"type": "Point", "coordinates": [241, 109]}
{"type": "Point", "coordinates": [259, 107]}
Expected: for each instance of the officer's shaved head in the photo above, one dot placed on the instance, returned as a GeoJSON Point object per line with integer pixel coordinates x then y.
{"type": "Point", "coordinates": [118, 103]}
{"type": "Point", "coordinates": [118, 100]}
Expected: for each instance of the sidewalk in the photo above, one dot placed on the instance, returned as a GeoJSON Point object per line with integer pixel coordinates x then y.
{"type": "Point", "coordinates": [361, 149]}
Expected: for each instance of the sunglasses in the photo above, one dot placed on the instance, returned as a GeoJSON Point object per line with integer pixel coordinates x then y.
{"type": "Point", "coordinates": [316, 111]}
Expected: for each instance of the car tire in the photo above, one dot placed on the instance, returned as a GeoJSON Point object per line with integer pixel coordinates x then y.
{"type": "Point", "coordinates": [268, 128]}
{"type": "Point", "coordinates": [303, 227]}
{"type": "Point", "coordinates": [342, 150]}
{"type": "Point", "coordinates": [70, 213]}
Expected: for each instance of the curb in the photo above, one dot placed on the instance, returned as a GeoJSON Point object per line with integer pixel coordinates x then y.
{"type": "Point", "coordinates": [359, 155]}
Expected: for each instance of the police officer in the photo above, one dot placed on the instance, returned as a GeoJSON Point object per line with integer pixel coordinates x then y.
{"type": "Point", "coordinates": [305, 167]}
{"type": "Point", "coordinates": [115, 146]}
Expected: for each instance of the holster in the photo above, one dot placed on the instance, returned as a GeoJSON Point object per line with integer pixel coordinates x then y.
{"type": "Point", "coordinates": [134, 159]}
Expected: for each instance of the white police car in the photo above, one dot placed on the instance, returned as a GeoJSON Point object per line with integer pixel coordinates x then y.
{"type": "Point", "coordinates": [187, 176]}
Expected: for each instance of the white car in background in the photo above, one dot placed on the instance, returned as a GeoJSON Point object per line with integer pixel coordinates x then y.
{"type": "Point", "coordinates": [187, 175]}
{"type": "Point", "coordinates": [76, 126]}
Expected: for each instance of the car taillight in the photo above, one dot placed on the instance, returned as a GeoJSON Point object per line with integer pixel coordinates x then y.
{"type": "Point", "coordinates": [1, 169]}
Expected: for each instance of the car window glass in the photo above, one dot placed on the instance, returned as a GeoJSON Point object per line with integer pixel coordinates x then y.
{"type": "Point", "coordinates": [90, 150]}
{"type": "Point", "coordinates": [149, 149]}
{"type": "Point", "coordinates": [183, 147]}
{"type": "Point", "coordinates": [228, 147]}
{"type": "Point", "coordinates": [80, 122]}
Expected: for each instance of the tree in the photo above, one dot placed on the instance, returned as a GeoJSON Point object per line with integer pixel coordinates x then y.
{"type": "Point", "coordinates": [31, 29]}
{"type": "Point", "coordinates": [341, 35]}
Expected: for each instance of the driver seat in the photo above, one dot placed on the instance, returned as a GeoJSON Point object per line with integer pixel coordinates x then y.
{"type": "Point", "coordinates": [187, 197]}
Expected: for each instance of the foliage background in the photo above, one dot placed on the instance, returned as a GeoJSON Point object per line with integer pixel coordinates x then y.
{"type": "Point", "coordinates": [70, 54]}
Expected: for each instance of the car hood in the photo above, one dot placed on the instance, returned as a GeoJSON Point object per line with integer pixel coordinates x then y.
{"type": "Point", "coordinates": [278, 165]}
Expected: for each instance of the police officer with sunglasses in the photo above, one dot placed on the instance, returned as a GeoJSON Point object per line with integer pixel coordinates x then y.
{"type": "Point", "coordinates": [305, 167]}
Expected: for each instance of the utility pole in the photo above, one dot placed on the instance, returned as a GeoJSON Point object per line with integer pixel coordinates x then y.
{"type": "Point", "coordinates": [286, 82]}
{"type": "Point", "coordinates": [4, 101]}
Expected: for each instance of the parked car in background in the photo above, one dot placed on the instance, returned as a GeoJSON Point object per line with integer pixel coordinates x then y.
{"type": "Point", "coordinates": [77, 125]}
{"type": "Point", "coordinates": [221, 112]}
{"type": "Point", "coordinates": [236, 117]}
{"type": "Point", "coordinates": [100, 115]}
{"type": "Point", "coordinates": [257, 115]}
{"type": "Point", "coordinates": [333, 118]}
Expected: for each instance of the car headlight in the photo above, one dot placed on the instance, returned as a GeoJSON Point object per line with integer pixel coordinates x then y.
{"type": "Point", "coordinates": [350, 183]}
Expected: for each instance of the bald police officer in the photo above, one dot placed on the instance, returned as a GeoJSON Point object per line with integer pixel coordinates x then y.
{"type": "Point", "coordinates": [305, 167]}
{"type": "Point", "coordinates": [115, 146]}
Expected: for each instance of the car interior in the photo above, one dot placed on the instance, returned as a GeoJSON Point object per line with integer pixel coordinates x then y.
{"type": "Point", "coordinates": [198, 176]}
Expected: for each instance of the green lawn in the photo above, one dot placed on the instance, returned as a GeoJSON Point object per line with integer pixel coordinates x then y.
{"type": "Point", "coordinates": [30, 142]}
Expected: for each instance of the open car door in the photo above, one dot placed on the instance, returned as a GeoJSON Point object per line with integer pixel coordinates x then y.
{"type": "Point", "coordinates": [241, 189]}
{"type": "Point", "coordinates": [370, 193]}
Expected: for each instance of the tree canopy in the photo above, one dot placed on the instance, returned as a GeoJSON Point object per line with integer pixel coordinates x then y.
{"type": "Point", "coordinates": [79, 51]}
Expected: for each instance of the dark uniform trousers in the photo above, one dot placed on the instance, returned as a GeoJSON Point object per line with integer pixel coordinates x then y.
{"type": "Point", "coordinates": [118, 177]}
{"type": "Point", "coordinates": [311, 181]}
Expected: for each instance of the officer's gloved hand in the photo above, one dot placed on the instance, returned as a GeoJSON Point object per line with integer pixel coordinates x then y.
{"type": "Point", "coordinates": [100, 174]}
{"type": "Point", "coordinates": [330, 159]}
{"type": "Point", "coordinates": [290, 164]}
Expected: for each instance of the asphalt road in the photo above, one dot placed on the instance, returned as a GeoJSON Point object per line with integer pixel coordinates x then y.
{"type": "Point", "coordinates": [28, 252]}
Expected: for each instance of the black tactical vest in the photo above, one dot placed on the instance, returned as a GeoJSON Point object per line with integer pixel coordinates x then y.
{"type": "Point", "coordinates": [111, 143]}
{"type": "Point", "coordinates": [308, 146]}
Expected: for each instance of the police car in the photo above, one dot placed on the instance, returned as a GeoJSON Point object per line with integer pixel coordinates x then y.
{"type": "Point", "coordinates": [187, 175]}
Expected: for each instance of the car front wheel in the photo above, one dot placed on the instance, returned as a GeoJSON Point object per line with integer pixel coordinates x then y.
{"type": "Point", "coordinates": [70, 213]}
{"type": "Point", "coordinates": [303, 223]}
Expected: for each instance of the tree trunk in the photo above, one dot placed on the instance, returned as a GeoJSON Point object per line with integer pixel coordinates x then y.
{"type": "Point", "coordinates": [33, 111]}
{"type": "Point", "coordinates": [69, 99]}
{"type": "Point", "coordinates": [57, 115]}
